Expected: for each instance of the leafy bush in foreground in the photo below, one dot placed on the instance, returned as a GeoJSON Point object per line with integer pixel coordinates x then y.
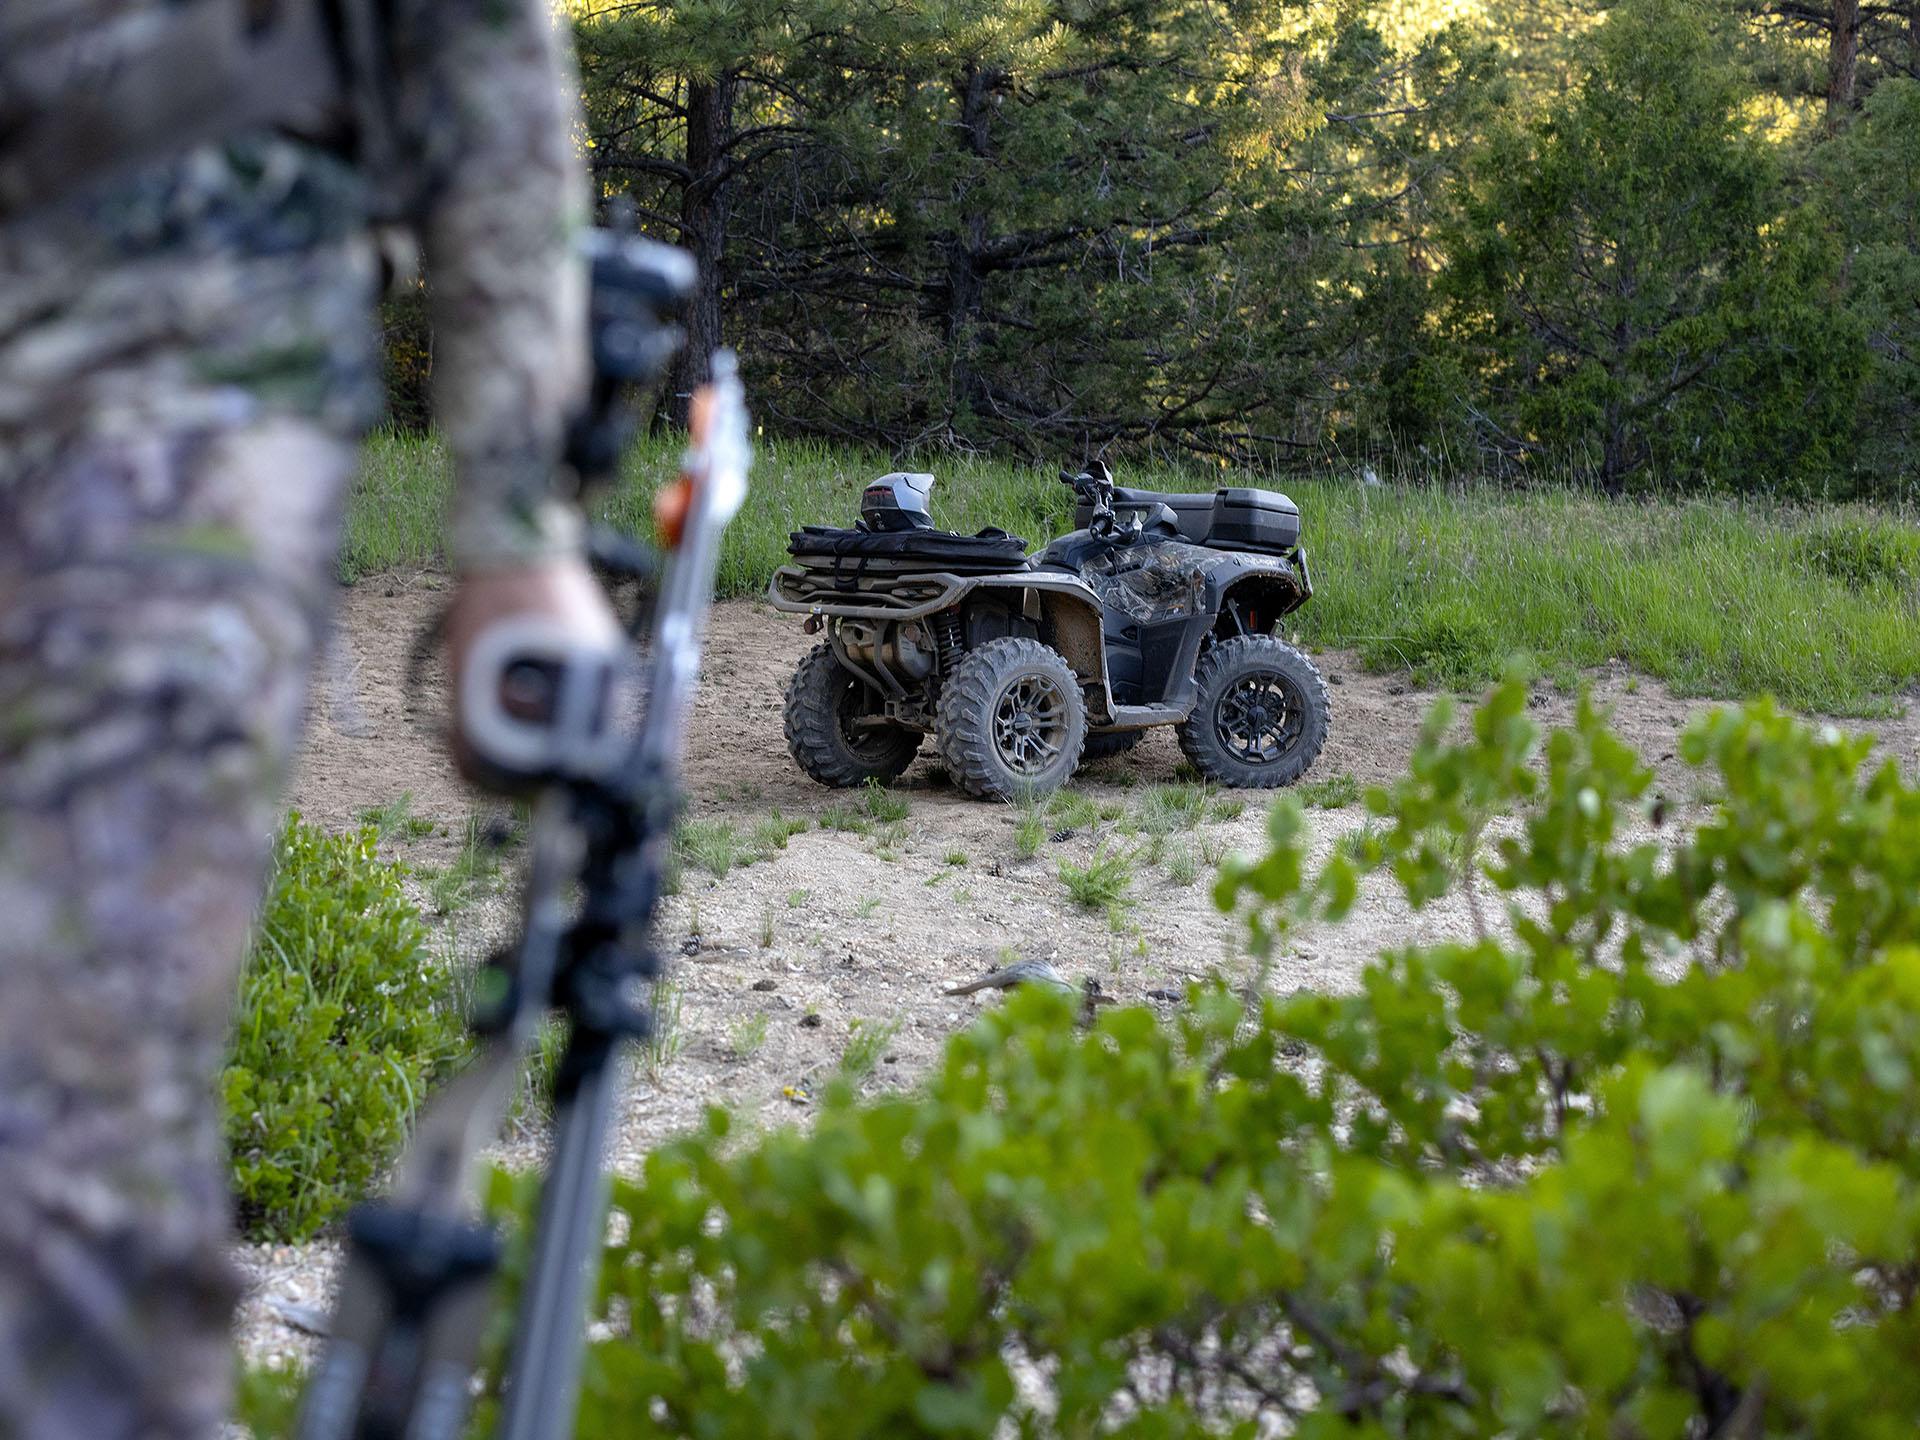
{"type": "Point", "coordinates": [341, 1023]}
{"type": "Point", "coordinates": [1638, 1160]}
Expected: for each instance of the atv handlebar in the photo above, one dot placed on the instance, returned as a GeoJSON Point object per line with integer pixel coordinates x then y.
{"type": "Point", "coordinates": [1095, 486]}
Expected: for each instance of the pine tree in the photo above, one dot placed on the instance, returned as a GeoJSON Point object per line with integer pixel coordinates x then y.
{"type": "Point", "coordinates": [1633, 295]}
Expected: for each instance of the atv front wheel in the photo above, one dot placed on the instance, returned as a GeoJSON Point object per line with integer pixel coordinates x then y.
{"type": "Point", "coordinates": [1012, 721]}
{"type": "Point", "coordinates": [833, 728]}
{"type": "Point", "coordinates": [1260, 716]}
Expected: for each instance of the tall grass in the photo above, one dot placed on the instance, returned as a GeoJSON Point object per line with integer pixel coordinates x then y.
{"type": "Point", "coordinates": [1818, 605]}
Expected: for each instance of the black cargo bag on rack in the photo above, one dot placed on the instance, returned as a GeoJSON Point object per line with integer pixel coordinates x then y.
{"type": "Point", "coordinates": [850, 554]}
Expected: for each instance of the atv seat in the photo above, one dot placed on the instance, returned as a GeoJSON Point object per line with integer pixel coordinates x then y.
{"type": "Point", "coordinates": [850, 555]}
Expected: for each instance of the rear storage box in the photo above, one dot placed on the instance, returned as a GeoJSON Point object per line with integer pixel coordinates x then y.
{"type": "Point", "coordinates": [1254, 520]}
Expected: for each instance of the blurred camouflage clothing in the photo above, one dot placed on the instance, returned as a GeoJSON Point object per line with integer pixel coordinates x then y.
{"type": "Point", "coordinates": [186, 363]}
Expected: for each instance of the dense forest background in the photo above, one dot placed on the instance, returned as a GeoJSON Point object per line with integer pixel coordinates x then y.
{"type": "Point", "coordinates": [1655, 245]}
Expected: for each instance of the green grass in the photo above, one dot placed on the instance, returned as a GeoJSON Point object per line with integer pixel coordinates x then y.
{"type": "Point", "coordinates": [664, 1038]}
{"type": "Point", "coordinates": [1105, 881]}
{"type": "Point", "coordinates": [1182, 867]}
{"type": "Point", "coordinates": [846, 819]}
{"type": "Point", "coordinates": [748, 1035]}
{"type": "Point", "coordinates": [1072, 809]}
{"type": "Point", "coordinates": [885, 805]}
{"type": "Point", "coordinates": [1332, 792]}
{"type": "Point", "coordinates": [867, 1042]}
{"type": "Point", "coordinates": [1167, 809]}
{"type": "Point", "coordinates": [773, 832]}
{"type": "Point", "coordinates": [471, 871]}
{"type": "Point", "coordinates": [396, 820]}
{"type": "Point", "coordinates": [716, 846]}
{"type": "Point", "coordinates": [1818, 605]}
{"type": "Point", "coordinates": [1029, 832]}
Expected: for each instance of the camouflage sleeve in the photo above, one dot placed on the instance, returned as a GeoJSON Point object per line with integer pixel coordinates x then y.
{"type": "Point", "coordinates": [499, 229]}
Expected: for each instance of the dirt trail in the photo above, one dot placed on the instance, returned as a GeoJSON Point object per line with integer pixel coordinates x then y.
{"type": "Point", "coordinates": [781, 963]}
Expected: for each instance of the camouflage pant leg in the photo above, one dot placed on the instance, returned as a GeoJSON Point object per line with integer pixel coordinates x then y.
{"type": "Point", "coordinates": [167, 526]}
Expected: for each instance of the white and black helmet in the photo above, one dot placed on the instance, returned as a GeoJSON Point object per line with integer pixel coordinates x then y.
{"type": "Point", "coordinates": [897, 502]}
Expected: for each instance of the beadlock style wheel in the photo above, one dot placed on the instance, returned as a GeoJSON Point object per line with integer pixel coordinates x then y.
{"type": "Point", "coordinates": [1011, 720]}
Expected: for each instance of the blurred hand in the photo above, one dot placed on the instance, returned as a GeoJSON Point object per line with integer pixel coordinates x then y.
{"type": "Point", "coordinates": [560, 591]}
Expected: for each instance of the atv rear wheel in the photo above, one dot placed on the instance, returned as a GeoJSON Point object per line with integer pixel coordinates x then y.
{"type": "Point", "coordinates": [826, 705]}
{"type": "Point", "coordinates": [1102, 743]}
{"type": "Point", "coordinates": [1260, 716]}
{"type": "Point", "coordinates": [1012, 720]}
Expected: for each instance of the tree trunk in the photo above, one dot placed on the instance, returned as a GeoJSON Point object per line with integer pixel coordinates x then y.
{"type": "Point", "coordinates": [704, 205]}
{"type": "Point", "coordinates": [1843, 57]}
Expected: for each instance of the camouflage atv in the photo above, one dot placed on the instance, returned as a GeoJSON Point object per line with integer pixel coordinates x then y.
{"type": "Point", "coordinates": [1161, 610]}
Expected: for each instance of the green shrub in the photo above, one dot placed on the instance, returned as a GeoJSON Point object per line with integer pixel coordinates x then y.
{"type": "Point", "coordinates": [1641, 1159]}
{"type": "Point", "coordinates": [341, 1023]}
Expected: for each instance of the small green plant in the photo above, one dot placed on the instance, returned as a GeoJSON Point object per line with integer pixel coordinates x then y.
{"type": "Point", "coordinates": [1359, 845]}
{"type": "Point", "coordinates": [1029, 833]}
{"type": "Point", "coordinates": [889, 839]}
{"type": "Point", "coordinates": [396, 819]}
{"type": "Point", "coordinates": [766, 928]}
{"type": "Point", "coordinates": [472, 870]}
{"type": "Point", "coordinates": [1165, 809]}
{"type": "Point", "coordinates": [867, 1042]}
{"type": "Point", "coordinates": [533, 1101]}
{"type": "Point", "coordinates": [797, 898]}
{"type": "Point", "coordinates": [957, 858]}
{"type": "Point", "coordinates": [716, 846]}
{"type": "Point", "coordinates": [1332, 792]}
{"type": "Point", "coordinates": [748, 1035]}
{"type": "Point", "coordinates": [845, 819]}
{"type": "Point", "coordinates": [884, 805]}
{"type": "Point", "coordinates": [664, 1038]}
{"type": "Point", "coordinates": [773, 832]}
{"type": "Point", "coordinates": [1105, 880]}
{"type": "Point", "coordinates": [1072, 810]}
{"type": "Point", "coordinates": [1226, 807]}
{"type": "Point", "coordinates": [866, 907]}
{"type": "Point", "coordinates": [343, 1020]}
{"type": "Point", "coordinates": [1181, 866]}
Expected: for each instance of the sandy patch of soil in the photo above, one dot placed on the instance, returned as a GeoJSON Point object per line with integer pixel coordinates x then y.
{"type": "Point", "coordinates": [778, 965]}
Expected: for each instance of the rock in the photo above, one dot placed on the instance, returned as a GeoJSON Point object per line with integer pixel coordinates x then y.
{"type": "Point", "coordinates": [811, 1020]}
{"type": "Point", "coordinates": [769, 983]}
{"type": "Point", "coordinates": [308, 1319]}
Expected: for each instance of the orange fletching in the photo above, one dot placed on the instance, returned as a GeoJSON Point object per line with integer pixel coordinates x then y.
{"type": "Point", "coordinates": [673, 503]}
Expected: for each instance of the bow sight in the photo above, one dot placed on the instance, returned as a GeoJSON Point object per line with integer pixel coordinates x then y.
{"type": "Point", "coordinates": [415, 1295]}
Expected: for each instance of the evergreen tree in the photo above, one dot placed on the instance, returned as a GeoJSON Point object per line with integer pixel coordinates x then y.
{"type": "Point", "coordinates": [1630, 293]}
{"type": "Point", "coordinates": [1872, 183]}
